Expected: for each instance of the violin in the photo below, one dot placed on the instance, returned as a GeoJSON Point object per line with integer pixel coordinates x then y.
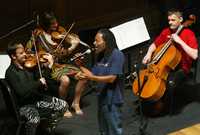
{"type": "Point", "coordinates": [31, 59]}
{"type": "Point", "coordinates": [70, 38]}
{"type": "Point", "coordinates": [61, 33]}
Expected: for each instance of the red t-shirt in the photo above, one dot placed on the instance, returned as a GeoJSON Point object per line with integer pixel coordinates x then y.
{"type": "Point", "coordinates": [188, 37]}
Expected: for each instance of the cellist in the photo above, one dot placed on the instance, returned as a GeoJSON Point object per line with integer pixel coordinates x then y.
{"type": "Point", "coordinates": [185, 42]}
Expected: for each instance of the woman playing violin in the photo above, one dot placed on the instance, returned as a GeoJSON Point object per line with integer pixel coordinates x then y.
{"type": "Point", "coordinates": [60, 72]}
{"type": "Point", "coordinates": [50, 36]}
{"type": "Point", "coordinates": [185, 42]}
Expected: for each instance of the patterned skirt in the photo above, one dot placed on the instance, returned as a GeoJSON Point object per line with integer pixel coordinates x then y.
{"type": "Point", "coordinates": [59, 70]}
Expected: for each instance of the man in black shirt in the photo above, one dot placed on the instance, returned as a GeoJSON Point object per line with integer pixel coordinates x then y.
{"type": "Point", "coordinates": [29, 90]}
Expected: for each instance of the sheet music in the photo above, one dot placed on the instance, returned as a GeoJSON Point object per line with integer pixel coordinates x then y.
{"type": "Point", "coordinates": [130, 33]}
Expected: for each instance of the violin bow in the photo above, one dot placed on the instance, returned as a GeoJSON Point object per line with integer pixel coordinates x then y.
{"type": "Point", "coordinates": [72, 25]}
{"type": "Point", "coordinates": [37, 57]}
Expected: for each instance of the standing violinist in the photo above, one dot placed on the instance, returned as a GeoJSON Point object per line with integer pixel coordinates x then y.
{"type": "Point", "coordinates": [29, 89]}
{"type": "Point", "coordinates": [185, 42]}
{"type": "Point", "coordinates": [60, 70]}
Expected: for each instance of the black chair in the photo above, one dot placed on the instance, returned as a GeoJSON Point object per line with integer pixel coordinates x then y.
{"type": "Point", "coordinates": [193, 79]}
{"type": "Point", "coordinates": [194, 75]}
{"type": "Point", "coordinates": [195, 70]}
{"type": "Point", "coordinates": [11, 104]}
{"type": "Point", "coordinates": [47, 124]}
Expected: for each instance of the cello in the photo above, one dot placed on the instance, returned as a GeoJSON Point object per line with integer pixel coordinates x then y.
{"type": "Point", "coordinates": [150, 83]}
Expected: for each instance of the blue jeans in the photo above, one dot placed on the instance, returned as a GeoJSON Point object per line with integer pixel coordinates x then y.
{"type": "Point", "coordinates": [110, 120]}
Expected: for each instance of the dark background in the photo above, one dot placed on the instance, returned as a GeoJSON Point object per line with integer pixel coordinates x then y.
{"type": "Point", "coordinates": [90, 15]}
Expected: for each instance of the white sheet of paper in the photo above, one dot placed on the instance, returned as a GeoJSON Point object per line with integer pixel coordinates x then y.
{"type": "Point", "coordinates": [4, 63]}
{"type": "Point", "coordinates": [130, 33]}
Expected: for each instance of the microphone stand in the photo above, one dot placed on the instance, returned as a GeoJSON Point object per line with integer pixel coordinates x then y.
{"type": "Point", "coordinates": [142, 118]}
{"type": "Point", "coordinates": [17, 29]}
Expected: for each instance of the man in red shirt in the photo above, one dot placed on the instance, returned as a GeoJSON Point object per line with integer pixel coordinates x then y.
{"type": "Point", "coordinates": [185, 42]}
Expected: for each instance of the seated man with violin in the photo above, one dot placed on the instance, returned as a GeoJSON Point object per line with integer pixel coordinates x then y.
{"type": "Point", "coordinates": [29, 89]}
{"type": "Point", "coordinates": [184, 41]}
{"type": "Point", "coordinates": [60, 51]}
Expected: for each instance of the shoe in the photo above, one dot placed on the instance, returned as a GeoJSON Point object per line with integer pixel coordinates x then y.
{"type": "Point", "coordinates": [68, 114]}
{"type": "Point", "coordinates": [77, 109]}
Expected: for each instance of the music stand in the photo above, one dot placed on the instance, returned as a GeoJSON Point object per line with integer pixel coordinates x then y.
{"type": "Point", "coordinates": [142, 118]}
